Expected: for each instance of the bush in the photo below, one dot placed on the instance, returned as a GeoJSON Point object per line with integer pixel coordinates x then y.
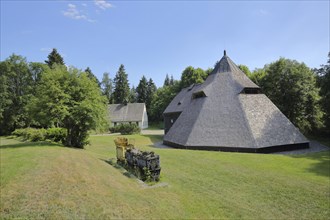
{"type": "Point", "coordinates": [56, 134]}
{"type": "Point", "coordinates": [19, 132]}
{"type": "Point", "coordinates": [126, 129]}
{"type": "Point", "coordinates": [37, 134]}
{"type": "Point", "coordinates": [33, 134]}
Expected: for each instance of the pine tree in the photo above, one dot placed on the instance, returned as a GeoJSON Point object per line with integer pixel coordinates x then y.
{"type": "Point", "coordinates": [122, 91]}
{"type": "Point", "coordinates": [172, 80]}
{"type": "Point", "coordinates": [150, 92]}
{"type": "Point", "coordinates": [167, 81]}
{"type": "Point", "coordinates": [106, 87]}
{"type": "Point", "coordinates": [90, 75]}
{"type": "Point", "coordinates": [142, 90]}
{"type": "Point", "coordinates": [133, 95]}
{"type": "Point", "coordinates": [54, 58]}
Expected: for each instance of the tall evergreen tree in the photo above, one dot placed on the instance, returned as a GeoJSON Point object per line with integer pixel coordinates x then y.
{"type": "Point", "coordinates": [90, 75]}
{"type": "Point", "coordinates": [167, 81]}
{"type": "Point", "coordinates": [150, 92]}
{"type": "Point", "coordinates": [133, 95]}
{"type": "Point", "coordinates": [121, 91]}
{"type": "Point", "coordinates": [142, 90]}
{"type": "Point", "coordinates": [54, 58]}
{"type": "Point", "coordinates": [172, 80]}
{"type": "Point", "coordinates": [106, 87]}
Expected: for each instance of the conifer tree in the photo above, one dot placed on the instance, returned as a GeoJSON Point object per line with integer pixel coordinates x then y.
{"type": "Point", "coordinates": [90, 75]}
{"type": "Point", "coordinates": [106, 87]}
{"type": "Point", "coordinates": [142, 90]}
{"type": "Point", "coordinates": [133, 95]}
{"type": "Point", "coordinates": [172, 80]}
{"type": "Point", "coordinates": [54, 58]}
{"type": "Point", "coordinates": [150, 92]}
{"type": "Point", "coordinates": [167, 81]}
{"type": "Point", "coordinates": [122, 91]}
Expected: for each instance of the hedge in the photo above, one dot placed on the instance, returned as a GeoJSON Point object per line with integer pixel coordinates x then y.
{"type": "Point", "coordinates": [125, 129]}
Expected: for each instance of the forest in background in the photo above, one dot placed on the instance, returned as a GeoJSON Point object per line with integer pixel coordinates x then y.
{"type": "Point", "coordinates": [53, 95]}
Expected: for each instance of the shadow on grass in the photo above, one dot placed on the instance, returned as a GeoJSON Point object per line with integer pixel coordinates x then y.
{"type": "Point", "coordinates": [113, 163]}
{"type": "Point", "coordinates": [30, 144]}
{"type": "Point", "coordinates": [321, 165]}
{"type": "Point", "coordinates": [154, 139]}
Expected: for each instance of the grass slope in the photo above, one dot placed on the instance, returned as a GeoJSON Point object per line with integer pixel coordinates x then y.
{"type": "Point", "coordinates": [49, 181]}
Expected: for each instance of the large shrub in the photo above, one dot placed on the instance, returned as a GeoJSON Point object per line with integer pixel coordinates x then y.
{"type": "Point", "coordinates": [56, 134]}
{"type": "Point", "coordinates": [33, 134]}
{"type": "Point", "coordinates": [125, 129]}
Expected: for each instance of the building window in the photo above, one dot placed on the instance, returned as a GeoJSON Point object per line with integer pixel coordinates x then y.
{"type": "Point", "coordinates": [251, 90]}
{"type": "Point", "coordinates": [199, 94]}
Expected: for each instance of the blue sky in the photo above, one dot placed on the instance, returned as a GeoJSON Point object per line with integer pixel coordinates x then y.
{"type": "Point", "coordinates": [155, 38]}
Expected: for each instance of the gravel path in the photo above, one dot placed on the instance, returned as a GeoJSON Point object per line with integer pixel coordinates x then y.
{"type": "Point", "coordinates": [152, 132]}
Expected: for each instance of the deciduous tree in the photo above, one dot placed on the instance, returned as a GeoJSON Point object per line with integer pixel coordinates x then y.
{"type": "Point", "coordinates": [324, 83]}
{"type": "Point", "coordinates": [16, 90]}
{"type": "Point", "coordinates": [69, 98]}
{"type": "Point", "coordinates": [245, 69]}
{"type": "Point", "coordinates": [191, 75]}
{"type": "Point", "coordinates": [292, 87]}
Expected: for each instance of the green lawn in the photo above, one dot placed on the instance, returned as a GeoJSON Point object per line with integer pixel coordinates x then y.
{"type": "Point", "coordinates": [41, 180]}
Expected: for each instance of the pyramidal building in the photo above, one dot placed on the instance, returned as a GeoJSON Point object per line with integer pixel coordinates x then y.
{"type": "Point", "coordinates": [228, 112]}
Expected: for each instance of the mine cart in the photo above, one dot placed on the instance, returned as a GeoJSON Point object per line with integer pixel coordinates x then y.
{"type": "Point", "coordinates": [144, 164]}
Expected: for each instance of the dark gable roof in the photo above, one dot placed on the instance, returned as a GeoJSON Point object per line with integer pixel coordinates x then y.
{"type": "Point", "coordinates": [226, 117]}
{"type": "Point", "coordinates": [126, 113]}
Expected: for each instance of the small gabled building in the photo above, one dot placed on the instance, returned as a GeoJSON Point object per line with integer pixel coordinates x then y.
{"type": "Point", "coordinates": [131, 113]}
{"type": "Point", "coordinates": [228, 112]}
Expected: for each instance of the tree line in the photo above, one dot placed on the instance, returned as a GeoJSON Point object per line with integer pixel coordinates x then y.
{"type": "Point", "coordinates": [50, 94]}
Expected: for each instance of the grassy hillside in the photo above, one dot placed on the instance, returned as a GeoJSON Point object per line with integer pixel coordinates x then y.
{"type": "Point", "coordinates": [49, 181]}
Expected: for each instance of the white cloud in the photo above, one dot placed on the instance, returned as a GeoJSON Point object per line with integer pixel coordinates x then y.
{"type": "Point", "coordinates": [74, 13]}
{"type": "Point", "coordinates": [83, 4]}
{"type": "Point", "coordinates": [102, 4]}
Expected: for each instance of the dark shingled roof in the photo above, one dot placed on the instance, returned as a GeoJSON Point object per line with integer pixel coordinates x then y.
{"type": "Point", "coordinates": [218, 114]}
{"type": "Point", "coordinates": [131, 112]}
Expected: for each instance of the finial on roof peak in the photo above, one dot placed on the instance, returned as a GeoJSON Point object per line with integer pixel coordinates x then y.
{"type": "Point", "coordinates": [224, 53]}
